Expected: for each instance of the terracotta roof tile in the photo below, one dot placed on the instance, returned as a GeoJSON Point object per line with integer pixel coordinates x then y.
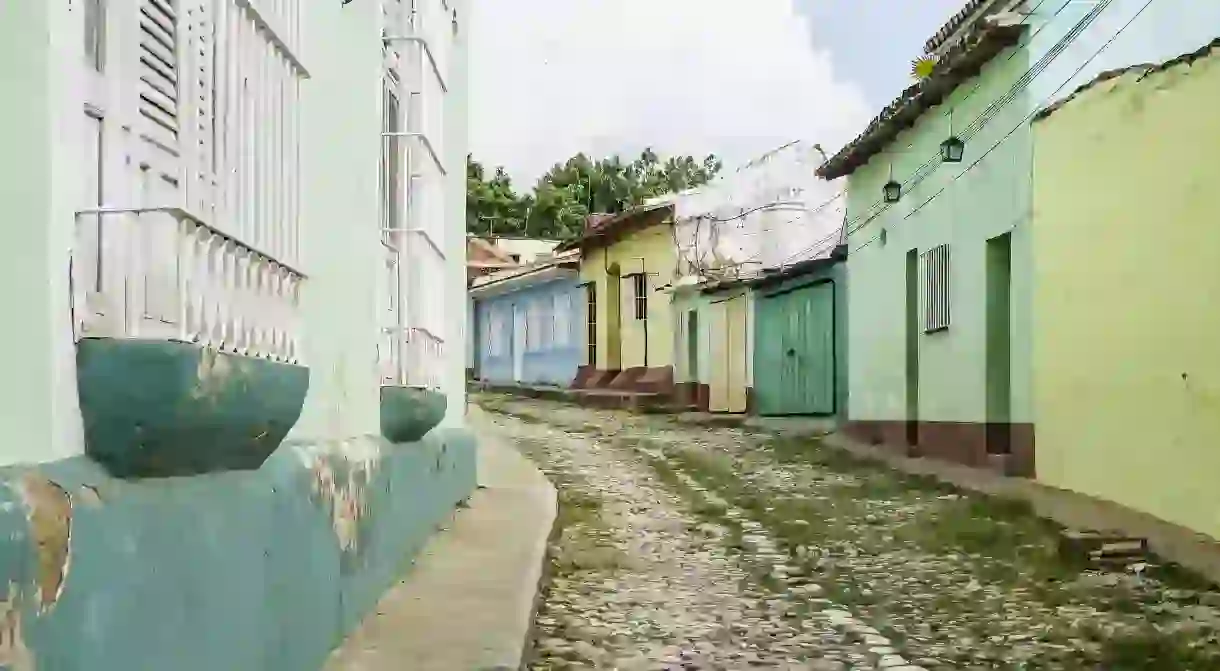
{"type": "Point", "coordinates": [961, 62]}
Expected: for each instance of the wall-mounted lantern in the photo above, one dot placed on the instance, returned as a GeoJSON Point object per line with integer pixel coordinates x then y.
{"type": "Point", "coordinates": [951, 150]}
{"type": "Point", "coordinates": [892, 191]}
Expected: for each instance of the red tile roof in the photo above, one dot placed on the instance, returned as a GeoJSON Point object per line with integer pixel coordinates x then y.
{"type": "Point", "coordinates": [963, 60]}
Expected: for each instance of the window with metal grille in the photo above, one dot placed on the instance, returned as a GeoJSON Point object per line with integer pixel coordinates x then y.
{"type": "Point", "coordinates": [936, 288]}
{"type": "Point", "coordinates": [639, 284]}
{"type": "Point", "coordinates": [591, 323]}
{"type": "Point", "coordinates": [391, 161]}
{"type": "Point", "coordinates": [158, 83]}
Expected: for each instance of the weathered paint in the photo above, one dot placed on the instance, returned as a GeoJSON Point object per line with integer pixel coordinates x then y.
{"type": "Point", "coordinates": [643, 342]}
{"type": "Point", "coordinates": [1126, 368]}
{"type": "Point", "coordinates": [955, 206]}
{"type": "Point", "coordinates": [409, 413]}
{"type": "Point", "coordinates": [833, 363]}
{"type": "Point", "coordinates": [154, 408]}
{"type": "Point", "coordinates": [262, 569]}
{"type": "Point", "coordinates": [552, 359]}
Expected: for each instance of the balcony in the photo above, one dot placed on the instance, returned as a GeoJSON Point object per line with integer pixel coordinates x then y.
{"type": "Point", "coordinates": [188, 344]}
{"type": "Point", "coordinates": [411, 360]}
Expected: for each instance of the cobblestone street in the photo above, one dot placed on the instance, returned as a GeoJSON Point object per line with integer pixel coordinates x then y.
{"type": "Point", "coordinates": [695, 547]}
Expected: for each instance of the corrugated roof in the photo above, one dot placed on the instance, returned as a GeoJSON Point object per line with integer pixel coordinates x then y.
{"type": "Point", "coordinates": [961, 62]}
{"type": "Point", "coordinates": [1147, 68]}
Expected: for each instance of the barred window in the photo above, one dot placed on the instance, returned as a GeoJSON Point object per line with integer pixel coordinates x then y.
{"type": "Point", "coordinates": [591, 323]}
{"type": "Point", "coordinates": [936, 288]}
{"type": "Point", "coordinates": [639, 283]}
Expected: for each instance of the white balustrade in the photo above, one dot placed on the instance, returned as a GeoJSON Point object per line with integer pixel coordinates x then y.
{"type": "Point", "coordinates": [161, 273]}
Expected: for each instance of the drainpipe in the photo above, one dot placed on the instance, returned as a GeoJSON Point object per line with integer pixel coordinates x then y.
{"type": "Point", "coordinates": [644, 273]}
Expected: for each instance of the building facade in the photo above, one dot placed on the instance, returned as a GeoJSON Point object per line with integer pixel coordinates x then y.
{"type": "Point", "coordinates": [530, 324]}
{"type": "Point", "coordinates": [1125, 366]}
{"type": "Point", "coordinates": [629, 338]}
{"type": "Point", "coordinates": [218, 344]}
{"type": "Point", "coordinates": [940, 268]}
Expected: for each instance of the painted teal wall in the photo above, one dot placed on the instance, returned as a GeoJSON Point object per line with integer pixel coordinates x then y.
{"type": "Point", "coordinates": [253, 570]}
{"type": "Point", "coordinates": [952, 205]}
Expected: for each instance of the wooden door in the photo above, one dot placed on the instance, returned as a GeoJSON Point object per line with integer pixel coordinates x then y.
{"type": "Point", "coordinates": [736, 323]}
{"type": "Point", "coordinates": [718, 385]}
{"type": "Point", "coordinates": [794, 368]}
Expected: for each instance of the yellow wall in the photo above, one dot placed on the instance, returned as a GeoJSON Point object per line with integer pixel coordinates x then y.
{"type": "Point", "coordinates": [1126, 236]}
{"type": "Point", "coordinates": [655, 245]}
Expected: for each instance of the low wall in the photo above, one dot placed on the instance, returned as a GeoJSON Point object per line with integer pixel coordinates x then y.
{"type": "Point", "coordinates": [252, 570]}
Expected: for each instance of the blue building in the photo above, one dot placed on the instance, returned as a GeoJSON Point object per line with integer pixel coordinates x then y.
{"type": "Point", "coordinates": [529, 323]}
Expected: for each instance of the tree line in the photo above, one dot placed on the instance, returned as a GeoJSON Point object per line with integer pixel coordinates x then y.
{"type": "Point", "coordinates": [560, 201]}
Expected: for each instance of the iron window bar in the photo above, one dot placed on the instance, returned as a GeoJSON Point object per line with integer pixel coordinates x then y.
{"type": "Point", "coordinates": [427, 49]}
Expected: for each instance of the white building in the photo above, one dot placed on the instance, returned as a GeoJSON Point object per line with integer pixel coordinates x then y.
{"type": "Point", "coordinates": [233, 283]}
{"type": "Point", "coordinates": [770, 213]}
{"type": "Point", "coordinates": [209, 171]}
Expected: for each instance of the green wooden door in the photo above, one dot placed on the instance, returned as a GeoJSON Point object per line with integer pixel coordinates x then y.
{"type": "Point", "coordinates": [795, 353]}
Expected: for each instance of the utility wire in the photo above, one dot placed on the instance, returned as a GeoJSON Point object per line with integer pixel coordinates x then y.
{"type": "Point", "coordinates": [989, 113]}
{"type": "Point", "coordinates": [1038, 108]}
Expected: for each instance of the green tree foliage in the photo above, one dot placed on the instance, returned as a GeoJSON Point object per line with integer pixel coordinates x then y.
{"type": "Point", "coordinates": [570, 191]}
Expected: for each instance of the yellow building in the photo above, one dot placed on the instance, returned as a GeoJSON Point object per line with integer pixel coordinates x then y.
{"type": "Point", "coordinates": [625, 259]}
{"type": "Point", "coordinates": [1126, 232]}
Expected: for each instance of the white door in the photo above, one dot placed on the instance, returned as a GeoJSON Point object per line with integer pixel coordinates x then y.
{"type": "Point", "coordinates": [518, 343]}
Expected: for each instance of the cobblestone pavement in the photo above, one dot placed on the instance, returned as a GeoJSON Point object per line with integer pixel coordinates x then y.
{"type": "Point", "coordinates": [696, 548]}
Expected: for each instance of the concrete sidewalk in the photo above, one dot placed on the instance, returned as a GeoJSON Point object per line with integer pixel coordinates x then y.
{"type": "Point", "coordinates": [468, 604]}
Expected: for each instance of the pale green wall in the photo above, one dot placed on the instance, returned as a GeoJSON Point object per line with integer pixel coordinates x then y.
{"type": "Point", "coordinates": [1126, 256]}
{"type": "Point", "coordinates": [693, 299]}
{"type": "Point", "coordinates": [984, 201]}
{"type": "Point", "coordinates": [341, 237]}
{"type": "Point", "coordinates": [456, 139]}
{"type": "Point", "coordinates": [40, 188]}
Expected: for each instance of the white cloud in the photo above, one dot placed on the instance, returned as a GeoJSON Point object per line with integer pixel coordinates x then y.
{"type": "Point", "coordinates": [550, 78]}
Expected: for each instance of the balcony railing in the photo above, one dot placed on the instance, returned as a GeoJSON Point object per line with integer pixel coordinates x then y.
{"type": "Point", "coordinates": [162, 273]}
{"type": "Point", "coordinates": [412, 357]}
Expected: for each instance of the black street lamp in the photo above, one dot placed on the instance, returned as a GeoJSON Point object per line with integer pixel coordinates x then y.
{"type": "Point", "coordinates": [952, 149]}
{"type": "Point", "coordinates": [892, 191]}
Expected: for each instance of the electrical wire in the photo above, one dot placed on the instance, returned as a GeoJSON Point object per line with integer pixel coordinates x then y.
{"type": "Point", "coordinates": [1038, 108]}
{"type": "Point", "coordinates": [924, 170]}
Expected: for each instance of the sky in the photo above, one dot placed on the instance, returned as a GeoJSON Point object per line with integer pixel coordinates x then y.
{"type": "Point", "coordinates": [550, 78]}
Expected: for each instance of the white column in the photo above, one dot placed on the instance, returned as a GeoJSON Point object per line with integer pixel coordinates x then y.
{"type": "Point", "coordinates": [41, 184]}
{"type": "Point", "coordinates": [340, 233]}
{"type": "Point", "coordinates": [455, 148]}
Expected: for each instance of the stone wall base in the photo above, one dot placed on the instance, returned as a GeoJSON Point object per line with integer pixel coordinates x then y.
{"type": "Point", "coordinates": [1008, 448]}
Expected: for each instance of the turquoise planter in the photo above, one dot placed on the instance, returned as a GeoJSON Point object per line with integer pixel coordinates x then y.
{"type": "Point", "coordinates": [408, 413]}
{"type": "Point", "coordinates": [155, 408]}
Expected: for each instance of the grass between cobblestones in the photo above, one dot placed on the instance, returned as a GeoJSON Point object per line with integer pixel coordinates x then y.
{"type": "Point", "coordinates": [850, 511]}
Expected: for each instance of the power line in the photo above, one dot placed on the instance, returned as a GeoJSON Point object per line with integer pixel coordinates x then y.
{"type": "Point", "coordinates": [1036, 109]}
{"type": "Point", "coordinates": [924, 170]}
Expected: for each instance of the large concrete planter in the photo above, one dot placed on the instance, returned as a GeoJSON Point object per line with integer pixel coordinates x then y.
{"type": "Point", "coordinates": [409, 413]}
{"type": "Point", "coordinates": [154, 408]}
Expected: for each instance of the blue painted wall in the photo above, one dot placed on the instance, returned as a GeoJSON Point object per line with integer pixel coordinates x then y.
{"type": "Point", "coordinates": [552, 358]}
{"type": "Point", "coordinates": [255, 570]}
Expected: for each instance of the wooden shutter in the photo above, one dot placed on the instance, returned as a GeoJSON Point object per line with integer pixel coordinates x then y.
{"type": "Point", "coordinates": [158, 72]}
